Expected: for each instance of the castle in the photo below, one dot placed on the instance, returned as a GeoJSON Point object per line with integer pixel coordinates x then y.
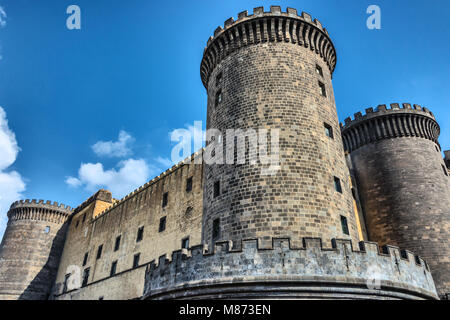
{"type": "Point", "coordinates": [328, 224]}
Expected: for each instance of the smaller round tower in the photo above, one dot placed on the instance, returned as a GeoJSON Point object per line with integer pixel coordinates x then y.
{"type": "Point", "coordinates": [403, 182]}
{"type": "Point", "coordinates": [31, 249]}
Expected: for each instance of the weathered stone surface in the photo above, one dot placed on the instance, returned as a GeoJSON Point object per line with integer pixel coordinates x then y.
{"type": "Point", "coordinates": [284, 272]}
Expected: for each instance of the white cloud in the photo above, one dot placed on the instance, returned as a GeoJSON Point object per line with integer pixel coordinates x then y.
{"type": "Point", "coordinates": [129, 175]}
{"type": "Point", "coordinates": [3, 17]}
{"type": "Point", "coordinates": [11, 183]}
{"type": "Point", "coordinates": [118, 149]}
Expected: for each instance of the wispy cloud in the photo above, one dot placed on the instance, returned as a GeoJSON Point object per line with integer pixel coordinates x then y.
{"type": "Point", "coordinates": [114, 149]}
{"type": "Point", "coordinates": [11, 183]}
{"type": "Point", "coordinates": [127, 176]}
{"type": "Point", "coordinates": [3, 17]}
{"type": "Point", "coordinates": [165, 162]}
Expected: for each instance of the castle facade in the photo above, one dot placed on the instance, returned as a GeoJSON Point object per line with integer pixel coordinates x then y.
{"type": "Point", "coordinates": [355, 210]}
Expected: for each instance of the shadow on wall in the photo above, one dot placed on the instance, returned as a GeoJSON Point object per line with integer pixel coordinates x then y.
{"type": "Point", "coordinates": [40, 288]}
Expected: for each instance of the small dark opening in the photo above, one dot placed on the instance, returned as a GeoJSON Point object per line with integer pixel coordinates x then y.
{"type": "Point", "coordinates": [328, 130]}
{"type": "Point", "coordinates": [337, 184]}
{"type": "Point", "coordinates": [136, 259]}
{"type": "Point", "coordinates": [322, 89]}
{"type": "Point", "coordinates": [344, 225]}
{"type": "Point", "coordinates": [319, 70]}
{"type": "Point", "coordinates": [219, 79]}
{"type": "Point", "coordinates": [165, 200]}
{"type": "Point", "coordinates": [140, 234]}
{"type": "Point", "coordinates": [216, 229]}
{"type": "Point", "coordinates": [113, 268]}
{"type": "Point", "coordinates": [189, 185]}
{"type": "Point", "coordinates": [117, 244]}
{"type": "Point", "coordinates": [99, 251]}
{"type": "Point", "coordinates": [86, 255]}
{"type": "Point", "coordinates": [162, 224]}
{"type": "Point", "coordinates": [216, 189]}
{"type": "Point", "coordinates": [85, 277]}
{"type": "Point", "coordinates": [218, 97]}
{"type": "Point", "coordinates": [445, 170]}
{"type": "Point", "coordinates": [185, 243]}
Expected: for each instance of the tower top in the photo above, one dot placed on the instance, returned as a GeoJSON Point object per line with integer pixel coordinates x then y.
{"type": "Point", "coordinates": [260, 27]}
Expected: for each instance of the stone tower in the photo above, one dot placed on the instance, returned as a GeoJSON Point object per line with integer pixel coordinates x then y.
{"type": "Point", "coordinates": [273, 70]}
{"type": "Point", "coordinates": [31, 249]}
{"type": "Point", "coordinates": [403, 182]}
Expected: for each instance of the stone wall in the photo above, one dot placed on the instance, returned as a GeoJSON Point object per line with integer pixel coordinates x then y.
{"type": "Point", "coordinates": [31, 249]}
{"type": "Point", "coordinates": [281, 271]}
{"type": "Point", "coordinates": [142, 208]}
{"type": "Point", "coordinates": [403, 182]}
{"type": "Point", "coordinates": [266, 68]}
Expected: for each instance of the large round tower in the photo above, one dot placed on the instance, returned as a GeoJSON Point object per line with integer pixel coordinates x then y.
{"type": "Point", "coordinates": [403, 182]}
{"type": "Point", "coordinates": [272, 70]}
{"type": "Point", "coordinates": [31, 249]}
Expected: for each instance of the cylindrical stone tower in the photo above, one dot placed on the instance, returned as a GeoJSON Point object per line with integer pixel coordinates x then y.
{"type": "Point", "coordinates": [403, 182]}
{"type": "Point", "coordinates": [272, 70]}
{"type": "Point", "coordinates": [31, 249]}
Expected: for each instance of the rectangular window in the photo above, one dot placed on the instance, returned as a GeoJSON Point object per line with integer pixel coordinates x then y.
{"type": "Point", "coordinates": [140, 234]}
{"type": "Point", "coordinates": [185, 243]}
{"type": "Point", "coordinates": [319, 70]}
{"type": "Point", "coordinates": [328, 130]}
{"type": "Point", "coordinates": [189, 185]}
{"type": "Point", "coordinates": [76, 224]}
{"type": "Point", "coordinates": [216, 229]}
{"type": "Point", "coordinates": [84, 217]}
{"type": "Point", "coordinates": [85, 277]}
{"type": "Point", "coordinates": [219, 79]}
{"type": "Point", "coordinates": [113, 268]}
{"type": "Point", "coordinates": [218, 97]}
{"type": "Point", "coordinates": [322, 89]}
{"type": "Point", "coordinates": [337, 184]}
{"type": "Point", "coordinates": [117, 244]}
{"type": "Point", "coordinates": [344, 225]}
{"type": "Point", "coordinates": [216, 189]}
{"type": "Point", "coordinates": [136, 260]}
{"type": "Point", "coordinates": [66, 280]}
{"type": "Point", "coordinates": [165, 200]}
{"type": "Point", "coordinates": [86, 255]}
{"type": "Point", "coordinates": [162, 224]}
{"type": "Point", "coordinates": [99, 251]}
{"type": "Point", "coordinates": [445, 170]}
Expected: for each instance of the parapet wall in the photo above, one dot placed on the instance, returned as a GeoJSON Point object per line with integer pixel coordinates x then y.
{"type": "Point", "coordinates": [39, 210]}
{"type": "Point", "coordinates": [285, 272]}
{"type": "Point", "coordinates": [384, 123]}
{"type": "Point", "coordinates": [272, 26]}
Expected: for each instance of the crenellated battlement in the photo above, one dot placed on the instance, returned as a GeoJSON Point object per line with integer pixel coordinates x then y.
{"type": "Point", "coordinates": [272, 26]}
{"type": "Point", "coordinates": [403, 120]}
{"type": "Point", "coordinates": [399, 273]}
{"type": "Point", "coordinates": [39, 210]}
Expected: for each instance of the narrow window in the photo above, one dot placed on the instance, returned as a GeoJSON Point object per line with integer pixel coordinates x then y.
{"type": "Point", "coordinates": [86, 255]}
{"type": "Point", "coordinates": [216, 229]}
{"type": "Point", "coordinates": [66, 280]}
{"type": "Point", "coordinates": [344, 225]}
{"type": "Point", "coordinates": [185, 243]}
{"type": "Point", "coordinates": [189, 185]}
{"type": "Point", "coordinates": [216, 189]}
{"type": "Point", "coordinates": [76, 224]}
{"type": "Point", "coordinates": [162, 224]}
{"type": "Point", "coordinates": [445, 170]}
{"type": "Point", "coordinates": [328, 130]}
{"type": "Point", "coordinates": [47, 229]}
{"type": "Point", "coordinates": [84, 218]}
{"type": "Point", "coordinates": [113, 268]}
{"type": "Point", "coordinates": [218, 97]}
{"type": "Point", "coordinates": [117, 244]}
{"type": "Point", "coordinates": [140, 234]}
{"type": "Point", "coordinates": [319, 70]}
{"type": "Point", "coordinates": [85, 277]}
{"type": "Point", "coordinates": [99, 251]}
{"type": "Point", "coordinates": [219, 79]}
{"type": "Point", "coordinates": [136, 258]}
{"type": "Point", "coordinates": [165, 200]}
{"type": "Point", "coordinates": [322, 89]}
{"type": "Point", "coordinates": [337, 184]}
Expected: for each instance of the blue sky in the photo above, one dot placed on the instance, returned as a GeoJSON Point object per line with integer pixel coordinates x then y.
{"type": "Point", "coordinates": [94, 107]}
